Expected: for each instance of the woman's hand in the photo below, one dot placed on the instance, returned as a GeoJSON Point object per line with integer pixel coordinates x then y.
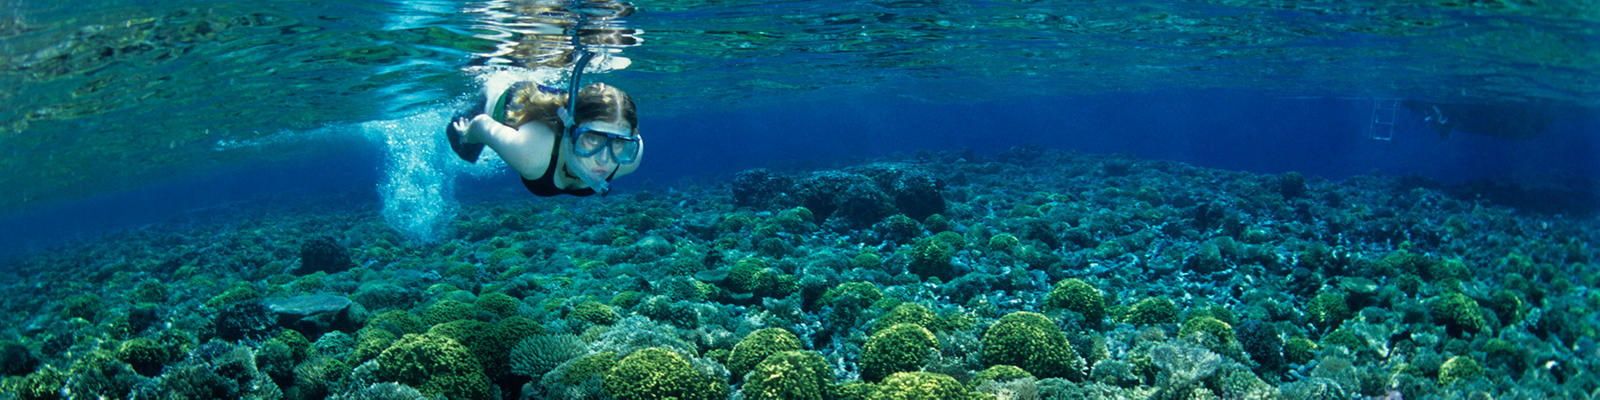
{"type": "Point", "coordinates": [461, 124]}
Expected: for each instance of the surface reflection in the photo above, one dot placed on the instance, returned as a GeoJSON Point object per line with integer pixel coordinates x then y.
{"type": "Point", "coordinates": [540, 33]}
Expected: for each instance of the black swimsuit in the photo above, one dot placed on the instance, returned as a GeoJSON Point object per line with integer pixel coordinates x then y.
{"type": "Point", "coordinates": [546, 184]}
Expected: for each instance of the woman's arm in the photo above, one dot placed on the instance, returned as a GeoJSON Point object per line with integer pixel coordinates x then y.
{"type": "Point", "coordinates": [526, 148]}
{"type": "Point", "coordinates": [483, 129]}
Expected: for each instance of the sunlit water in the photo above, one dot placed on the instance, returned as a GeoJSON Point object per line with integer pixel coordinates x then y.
{"type": "Point", "coordinates": [106, 96]}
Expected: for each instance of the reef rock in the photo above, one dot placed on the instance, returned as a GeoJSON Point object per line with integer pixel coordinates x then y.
{"type": "Point", "coordinates": [314, 314]}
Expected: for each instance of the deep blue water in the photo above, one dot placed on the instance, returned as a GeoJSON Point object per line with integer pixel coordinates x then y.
{"type": "Point", "coordinates": [1210, 128]}
{"type": "Point", "coordinates": [108, 98]}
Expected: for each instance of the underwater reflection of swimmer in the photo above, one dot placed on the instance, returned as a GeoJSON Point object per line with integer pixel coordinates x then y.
{"type": "Point", "coordinates": [1507, 120]}
{"type": "Point", "coordinates": [575, 148]}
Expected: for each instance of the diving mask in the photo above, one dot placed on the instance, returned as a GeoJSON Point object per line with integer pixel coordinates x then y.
{"type": "Point", "coordinates": [587, 142]}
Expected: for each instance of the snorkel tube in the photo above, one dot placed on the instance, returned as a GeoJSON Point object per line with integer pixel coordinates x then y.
{"type": "Point", "coordinates": [569, 120]}
{"type": "Point", "coordinates": [597, 183]}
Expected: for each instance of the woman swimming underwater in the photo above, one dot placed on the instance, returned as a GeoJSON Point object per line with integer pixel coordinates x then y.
{"type": "Point", "coordinates": [561, 142]}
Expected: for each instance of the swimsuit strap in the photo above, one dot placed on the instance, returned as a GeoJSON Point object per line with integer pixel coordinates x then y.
{"type": "Point", "coordinates": [545, 185]}
{"type": "Point", "coordinates": [499, 113]}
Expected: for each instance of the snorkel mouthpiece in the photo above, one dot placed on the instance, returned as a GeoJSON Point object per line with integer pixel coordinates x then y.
{"type": "Point", "coordinates": [600, 186]}
{"type": "Point", "coordinates": [597, 183]}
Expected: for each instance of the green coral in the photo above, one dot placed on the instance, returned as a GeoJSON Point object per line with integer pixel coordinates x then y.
{"type": "Point", "coordinates": [1000, 373]}
{"type": "Point", "coordinates": [149, 292]}
{"type": "Point", "coordinates": [1328, 309]}
{"type": "Point", "coordinates": [444, 311]}
{"type": "Point", "coordinates": [1404, 262]}
{"type": "Point", "coordinates": [315, 378]}
{"type": "Point", "coordinates": [1215, 311]}
{"type": "Point", "coordinates": [593, 312]}
{"type": "Point", "coordinates": [901, 226]}
{"type": "Point", "coordinates": [398, 322]}
{"type": "Point", "coordinates": [856, 292]}
{"type": "Point", "coordinates": [757, 346]}
{"type": "Point", "coordinates": [1507, 305]}
{"type": "Point", "coordinates": [146, 356]}
{"type": "Point", "coordinates": [1154, 310]}
{"type": "Point", "coordinates": [908, 313]}
{"type": "Point", "coordinates": [370, 343]}
{"type": "Point", "coordinates": [434, 365]}
{"type": "Point", "coordinates": [930, 258]}
{"type": "Point", "coordinates": [499, 255]}
{"type": "Point", "coordinates": [1077, 296]}
{"type": "Point", "coordinates": [954, 240]}
{"type": "Point", "coordinates": [1207, 259]}
{"type": "Point", "coordinates": [742, 277]}
{"type": "Point", "coordinates": [922, 386]}
{"type": "Point", "coordinates": [1032, 342]}
{"type": "Point", "coordinates": [1299, 350]}
{"type": "Point", "coordinates": [848, 300]}
{"type": "Point", "coordinates": [1344, 338]}
{"type": "Point", "coordinates": [489, 343]}
{"type": "Point", "coordinates": [789, 375]}
{"type": "Point", "coordinates": [936, 223]}
{"type": "Point", "coordinates": [627, 299]}
{"type": "Point", "coordinates": [1458, 313]}
{"type": "Point", "coordinates": [310, 282]}
{"type": "Point", "coordinates": [1503, 353]}
{"type": "Point", "coordinates": [297, 342]}
{"type": "Point", "coordinates": [1211, 326]}
{"type": "Point", "coordinates": [867, 260]}
{"type": "Point", "coordinates": [44, 384]}
{"type": "Point", "coordinates": [583, 368]}
{"type": "Point", "coordinates": [1449, 272]}
{"type": "Point", "coordinates": [660, 373]}
{"type": "Point", "coordinates": [1459, 368]}
{"type": "Point", "coordinates": [902, 347]}
{"type": "Point", "coordinates": [86, 306]}
{"type": "Point", "coordinates": [276, 359]}
{"type": "Point", "coordinates": [794, 219]}
{"type": "Point", "coordinates": [99, 374]}
{"type": "Point", "coordinates": [857, 390]}
{"type": "Point", "coordinates": [498, 303]}
{"type": "Point", "coordinates": [734, 222]}
{"type": "Point", "coordinates": [1003, 243]}
{"type": "Point", "coordinates": [237, 293]}
{"type": "Point", "coordinates": [752, 275]}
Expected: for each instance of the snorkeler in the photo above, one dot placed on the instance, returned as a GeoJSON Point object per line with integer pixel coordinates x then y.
{"type": "Point", "coordinates": [561, 142]}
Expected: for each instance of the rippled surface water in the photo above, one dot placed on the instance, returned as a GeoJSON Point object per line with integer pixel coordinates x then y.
{"type": "Point", "coordinates": [107, 95]}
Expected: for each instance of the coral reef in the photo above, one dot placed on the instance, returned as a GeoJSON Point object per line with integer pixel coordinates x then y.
{"type": "Point", "coordinates": [789, 375]}
{"type": "Point", "coordinates": [1032, 342]}
{"type": "Point", "coordinates": [757, 346]}
{"type": "Point", "coordinates": [928, 277]}
{"type": "Point", "coordinates": [660, 373]}
{"type": "Point", "coordinates": [902, 347]}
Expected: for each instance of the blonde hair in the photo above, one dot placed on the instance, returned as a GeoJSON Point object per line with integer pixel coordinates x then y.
{"type": "Point", "coordinates": [596, 102]}
{"type": "Point", "coordinates": [536, 106]}
{"type": "Point", "coordinates": [602, 102]}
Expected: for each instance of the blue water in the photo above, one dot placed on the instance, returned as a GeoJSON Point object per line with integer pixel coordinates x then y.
{"type": "Point", "coordinates": [203, 173]}
{"type": "Point", "coordinates": [1227, 129]}
{"type": "Point", "coordinates": [125, 115]}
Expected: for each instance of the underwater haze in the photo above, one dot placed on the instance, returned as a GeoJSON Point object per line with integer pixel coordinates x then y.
{"type": "Point", "coordinates": [842, 199]}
